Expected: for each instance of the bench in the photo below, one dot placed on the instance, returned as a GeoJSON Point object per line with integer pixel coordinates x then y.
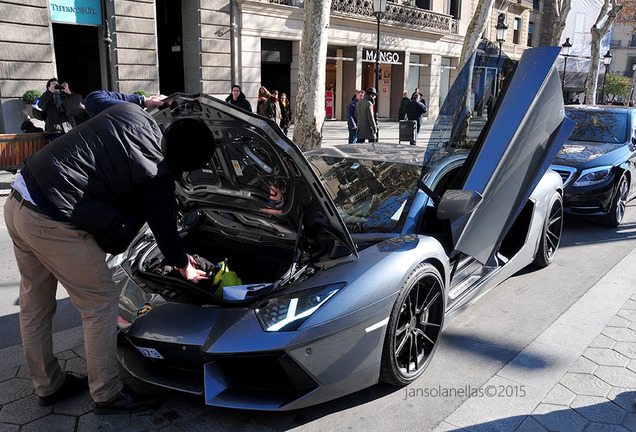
{"type": "Point", "coordinates": [15, 147]}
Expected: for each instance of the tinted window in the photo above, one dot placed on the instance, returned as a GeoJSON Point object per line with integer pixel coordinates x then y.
{"type": "Point", "coordinates": [371, 196]}
{"type": "Point", "coordinates": [599, 126]}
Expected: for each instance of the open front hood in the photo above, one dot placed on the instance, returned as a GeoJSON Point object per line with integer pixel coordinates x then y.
{"type": "Point", "coordinates": [255, 170]}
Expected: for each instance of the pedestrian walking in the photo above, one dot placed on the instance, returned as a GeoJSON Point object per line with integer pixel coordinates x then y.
{"type": "Point", "coordinates": [414, 111]}
{"type": "Point", "coordinates": [237, 98]}
{"type": "Point", "coordinates": [263, 99]}
{"type": "Point", "coordinates": [286, 113]}
{"type": "Point", "coordinates": [351, 116]}
{"type": "Point", "coordinates": [405, 100]}
{"type": "Point", "coordinates": [367, 126]}
{"type": "Point", "coordinates": [85, 194]}
{"type": "Point", "coordinates": [273, 109]}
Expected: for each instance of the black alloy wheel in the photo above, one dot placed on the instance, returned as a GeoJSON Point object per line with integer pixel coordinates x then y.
{"type": "Point", "coordinates": [414, 326]}
{"type": "Point", "coordinates": [551, 236]}
{"type": "Point", "coordinates": [619, 202]}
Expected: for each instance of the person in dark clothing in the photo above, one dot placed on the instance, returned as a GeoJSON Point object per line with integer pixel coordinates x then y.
{"type": "Point", "coordinates": [27, 126]}
{"type": "Point", "coordinates": [405, 100]}
{"type": "Point", "coordinates": [263, 100]}
{"type": "Point", "coordinates": [367, 126]}
{"type": "Point", "coordinates": [352, 125]}
{"type": "Point", "coordinates": [286, 113]}
{"type": "Point", "coordinates": [414, 111]}
{"type": "Point", "coordinates": [57, 123]}
{"type": "Point", "coordinates": [77, 194]}
{"type": "Point", "coordinates": [273, 109]}
{"type": "Point", "coordinates": [237, 98]}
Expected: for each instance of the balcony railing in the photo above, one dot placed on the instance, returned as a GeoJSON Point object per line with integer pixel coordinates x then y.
{"type": "Point", "coordinates": [400, 14]}
{"type": "Point", "coordinates": [396, 13]}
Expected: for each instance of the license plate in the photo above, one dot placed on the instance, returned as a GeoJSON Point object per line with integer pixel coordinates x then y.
{"type": "Point", "coordinates": [150, 353]}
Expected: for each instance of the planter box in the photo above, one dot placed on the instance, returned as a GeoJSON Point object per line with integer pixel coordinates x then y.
{"type": "Point", "coordinates": [15, 147]}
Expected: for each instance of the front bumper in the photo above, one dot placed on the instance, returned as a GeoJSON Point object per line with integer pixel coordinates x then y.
{"type": "Point", "coordinates": [595, 200]}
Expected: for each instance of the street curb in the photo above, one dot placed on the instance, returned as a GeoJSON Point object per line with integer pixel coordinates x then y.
{"type": "Point", "coordinates": [565, 340]}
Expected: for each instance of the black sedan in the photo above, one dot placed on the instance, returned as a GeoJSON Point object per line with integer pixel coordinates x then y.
{"type": "Point", "coordinates": [598, 162]}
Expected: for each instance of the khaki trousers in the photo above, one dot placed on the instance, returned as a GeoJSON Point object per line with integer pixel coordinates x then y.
{"type": "Point", "coordinates": [48, 251]}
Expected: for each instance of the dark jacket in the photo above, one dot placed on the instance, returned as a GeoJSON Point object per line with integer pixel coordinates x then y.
{"type": "Point", "coordinates": [106, 171]}
{"type": "Point", "coordinates": [414, 110]}
{"type": "Point", "coordinates": [286, 113]}
{"type": "Point", "coordinates": [367, 127]}
{"type": "Point", "coordinates": [351, 114]}
{"type": "Point", "coordinates": [240, 102]}
{"type": "Point", "coordinates": [56, 120]}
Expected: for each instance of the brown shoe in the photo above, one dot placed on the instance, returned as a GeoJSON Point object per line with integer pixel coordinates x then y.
{"type": "Point", "coordinates": [127, 401]}
{"type": "Point", "coordinates": [72, 385]}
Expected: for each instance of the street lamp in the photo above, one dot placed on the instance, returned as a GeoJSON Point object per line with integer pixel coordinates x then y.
{"type": "Point", "coordinates": [501, 27]}
{"type": "Point", "coordinates": [565, 50]}
{"type": "Point", "coordinates": [607, 59]}
{"type": "Point", "coordinates": [379, 9]}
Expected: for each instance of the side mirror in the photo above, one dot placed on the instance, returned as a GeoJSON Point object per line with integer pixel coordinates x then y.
{"type": "Point", "coordinates": [457, 203]}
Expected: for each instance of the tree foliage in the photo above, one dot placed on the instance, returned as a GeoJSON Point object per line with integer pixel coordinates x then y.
{"type": "Point", "coordinates": [617, 85]}
{"type": "Point", "coordinates": [627, 14]}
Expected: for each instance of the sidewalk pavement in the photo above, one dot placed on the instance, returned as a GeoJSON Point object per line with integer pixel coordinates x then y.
{"type": "Point", "coordinates": [589, 384]}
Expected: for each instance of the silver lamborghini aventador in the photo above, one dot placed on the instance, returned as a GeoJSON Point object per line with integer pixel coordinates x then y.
{"type": "Point", "coordinates": [338, 268]}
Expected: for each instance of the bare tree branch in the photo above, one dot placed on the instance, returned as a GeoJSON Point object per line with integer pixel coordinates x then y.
{"type": "Point", "coordinates": [561, 11]}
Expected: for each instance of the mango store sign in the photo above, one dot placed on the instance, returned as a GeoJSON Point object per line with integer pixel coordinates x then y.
{"type": "Point", "coordinates": [76, 11]}
{"type": "Point", "coordinates": [385, 56]}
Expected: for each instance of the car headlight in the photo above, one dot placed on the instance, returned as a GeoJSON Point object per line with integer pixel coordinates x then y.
{"type": "Point", "coordinates": [287, 313]}
{"type": "Point", "coordinates": [593, 176]}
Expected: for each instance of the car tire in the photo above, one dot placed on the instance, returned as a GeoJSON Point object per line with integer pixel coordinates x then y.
{"type": "Point", "coordinates": [551, 235]}
{"type": "Point", "coordinates": [414, 326]}
{"type": "Point", "coordinates": [619, 202]}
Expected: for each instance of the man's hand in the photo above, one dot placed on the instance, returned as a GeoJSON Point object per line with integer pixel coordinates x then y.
{"type": "Point", "coordinates": [154, 101]}
{"type": "Point", "coordinates": [65, 88]}
{"type": "Point", "coordinates": [191, 273]}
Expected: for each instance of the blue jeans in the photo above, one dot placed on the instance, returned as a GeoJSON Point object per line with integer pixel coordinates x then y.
{"type": "Point", "coordinates": [353, 136]}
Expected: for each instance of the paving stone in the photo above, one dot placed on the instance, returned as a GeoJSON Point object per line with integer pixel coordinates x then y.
{"type": "Point", "coordinates": [585, 384]}
{"type": "Point", "coordinates": [8, 373]}
{"type": "Point", "coordinates": [606, 356]}
{"type": "Point", "coordinates": [23, 411]}
{"type": "Point", "coordinates": [23, 372]}
{"type": "Point", "coordinates": [4, 427]}
{"type": "Point", "coordinates": [14, 389]}
{"type": "Point", "coordinates": [559, 418]}
{"type": "Point", "coordinates": [103, 423]}
{"type": "Point", "coordinates": [602, 341]}
{"type": "Point", "coordinates": [559, 395]}
{"type": "Point", "coordinates": [598, 409]}
{"type": "Point", "coordinates": [630, 422]}
{"type": "Point", "coordinates": [625, 399]}
{"type": "Point", "coordinates": [531, 425]}
{"type": "Point", "coordinates": [618, 321]}
{"type": "Point", "coordinates": [601, 427]}
{"type": "Point", "coordinates": [51, 423]}
{"type": "Point", "coordinates": [442, 427]}
{"type": "Point", "coordinates": [631, 303]}
{"type": "Point", "coordinates": [620, 334]}
{"type": "Point", "coordinates": [583, 365]}
{"type": "Point", "coordinates": [626, 348]}
{"type": "Point", "coordinates": [616, 376]}
{"type": "Point", "coordinates": [76, 365]}
{"type": "Point", "coordinates": [75, 406]}
{"type": "Point", "coordinates": [65, 355]}
{"type": "Point", "coordinates": [628, 314]}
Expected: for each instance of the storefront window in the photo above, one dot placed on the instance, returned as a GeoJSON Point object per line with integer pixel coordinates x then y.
{"type": "Point", "coordinates": [414, 73]}
{"type": "Point", "coordinates": [444, 79]}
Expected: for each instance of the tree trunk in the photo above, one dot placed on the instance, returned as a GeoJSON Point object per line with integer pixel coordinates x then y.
{"type": "Point", "coordinates": [606, 18]}
{"type": "Point", "coordinates": [475, 29]}
{"type": "Point", "coordinates": [310, 101]}
{"type": "Point", "coordinates": [561, 10]}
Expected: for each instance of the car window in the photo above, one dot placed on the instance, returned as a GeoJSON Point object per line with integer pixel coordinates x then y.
{"type": "Point", "coordinates": [598, 126]}
{"type": "Point", "coordinates": [371, 196]}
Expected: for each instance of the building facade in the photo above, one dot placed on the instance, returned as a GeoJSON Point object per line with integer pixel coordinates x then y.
{"type": "Point", "coordinates": [193, 46]}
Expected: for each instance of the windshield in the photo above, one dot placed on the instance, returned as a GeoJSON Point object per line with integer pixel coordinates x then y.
{"type": "Point", "coordinates": [598, 126]}
{"type": "Point", "coordinates": [370, 196]}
